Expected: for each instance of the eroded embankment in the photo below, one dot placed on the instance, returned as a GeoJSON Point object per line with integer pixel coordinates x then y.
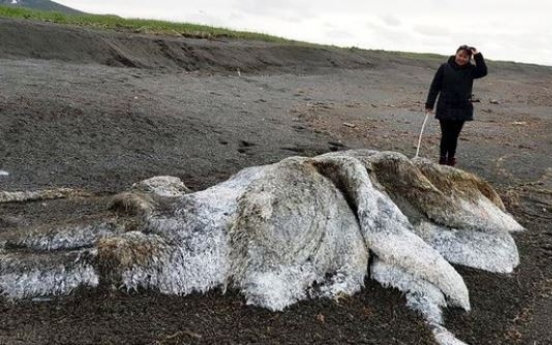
{"type": "Point", "coordinates": [37, 40]}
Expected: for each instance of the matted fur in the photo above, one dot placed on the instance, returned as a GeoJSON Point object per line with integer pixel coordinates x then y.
{"type": "Point", "coordinates": [281, 233]}
{"type": "Point", "coordinates": [46, 194]}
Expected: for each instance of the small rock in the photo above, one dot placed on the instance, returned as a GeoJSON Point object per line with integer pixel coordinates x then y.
{"type": "Point", "coordinates": [321, 318]}
{"type": "Point", "coordinates": [519, 123]}
{"type": "Point", "coordinates": [4, 173]}
{"type": "Point", "coordinates": [494, 101]}
{"type": "Point", "coordinates": [347, 124]}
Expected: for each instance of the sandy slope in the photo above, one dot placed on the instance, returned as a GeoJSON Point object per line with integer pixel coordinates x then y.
{"type": "Point", "coordinates": [99, 111]}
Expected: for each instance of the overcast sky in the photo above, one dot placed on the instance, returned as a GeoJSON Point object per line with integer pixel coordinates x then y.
{"type": "Point", "coordinates": [502, 29]}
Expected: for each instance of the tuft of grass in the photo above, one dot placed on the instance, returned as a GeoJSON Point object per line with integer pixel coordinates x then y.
{"type": "Point", "coordinates": [135, 25]}
{"type": "Point", "coordinates": [410, 55]}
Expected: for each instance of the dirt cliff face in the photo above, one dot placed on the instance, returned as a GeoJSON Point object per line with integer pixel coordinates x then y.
{"type": "Point", "coordinates": [126, 49]}
{"type": "Point", "coordinates": [98, 111]}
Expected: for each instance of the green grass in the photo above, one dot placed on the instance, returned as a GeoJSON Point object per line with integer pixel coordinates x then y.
{"type": "Point", "coordinates": [135, 25]}
{"type": "Point", "coordinates": [414, 56]}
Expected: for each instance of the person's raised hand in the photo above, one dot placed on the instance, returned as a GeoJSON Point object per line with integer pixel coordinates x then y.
{"type": "Point", "coordinates": [474, 50]}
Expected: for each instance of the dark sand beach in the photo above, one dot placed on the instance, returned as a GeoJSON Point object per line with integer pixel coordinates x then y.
{"type": "Point", "coordinates": [100, 110]}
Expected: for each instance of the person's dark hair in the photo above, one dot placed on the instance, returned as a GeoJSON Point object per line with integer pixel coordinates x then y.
{"type": "Point", "coordinates": [465, 48]}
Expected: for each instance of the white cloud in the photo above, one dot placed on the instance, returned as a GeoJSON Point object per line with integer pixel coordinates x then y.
{"type": "Point", "coordinates": [283, 9]}
{"type": "Point", "coordinates": [503, 30]}
{"type": "Point", "coordinates": [205, 18]}
{"type": "Point", "coordinates": [339, 35]}
{"type": "Point", "coordinates": [391, 20]}
{"type": "Point", "coordinates": [432, 30]}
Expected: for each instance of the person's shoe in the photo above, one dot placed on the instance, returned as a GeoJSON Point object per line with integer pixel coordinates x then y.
{"type": "Point", "coordinates": [443, 160]}
{"type": "Point", "coordinates": [451, 161]}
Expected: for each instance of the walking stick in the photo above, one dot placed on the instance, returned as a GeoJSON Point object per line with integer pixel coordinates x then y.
{"type": "Point", "coordinates": [421, 132]}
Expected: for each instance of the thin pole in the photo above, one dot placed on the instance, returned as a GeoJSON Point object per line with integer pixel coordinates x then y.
{"type": "Point", "coordinates": [421, 132]}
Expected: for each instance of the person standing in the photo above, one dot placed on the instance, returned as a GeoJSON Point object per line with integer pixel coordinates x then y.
{"type": "Point", "coordinates": [453, 83]}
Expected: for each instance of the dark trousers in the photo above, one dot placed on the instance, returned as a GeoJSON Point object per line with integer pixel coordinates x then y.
{"type": "Point", "coordinates": [450, 130]}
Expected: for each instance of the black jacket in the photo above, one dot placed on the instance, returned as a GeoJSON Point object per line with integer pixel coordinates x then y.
{"type": "Point", "coordinates": [455, 83]}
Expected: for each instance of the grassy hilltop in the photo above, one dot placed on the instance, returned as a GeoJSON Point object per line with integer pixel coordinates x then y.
{"type": "Point", "coordinates": [136, 25]}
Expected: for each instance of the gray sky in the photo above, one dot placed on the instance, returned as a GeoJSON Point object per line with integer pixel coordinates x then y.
{"type": "Point", "coordinates": [502, 29]}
